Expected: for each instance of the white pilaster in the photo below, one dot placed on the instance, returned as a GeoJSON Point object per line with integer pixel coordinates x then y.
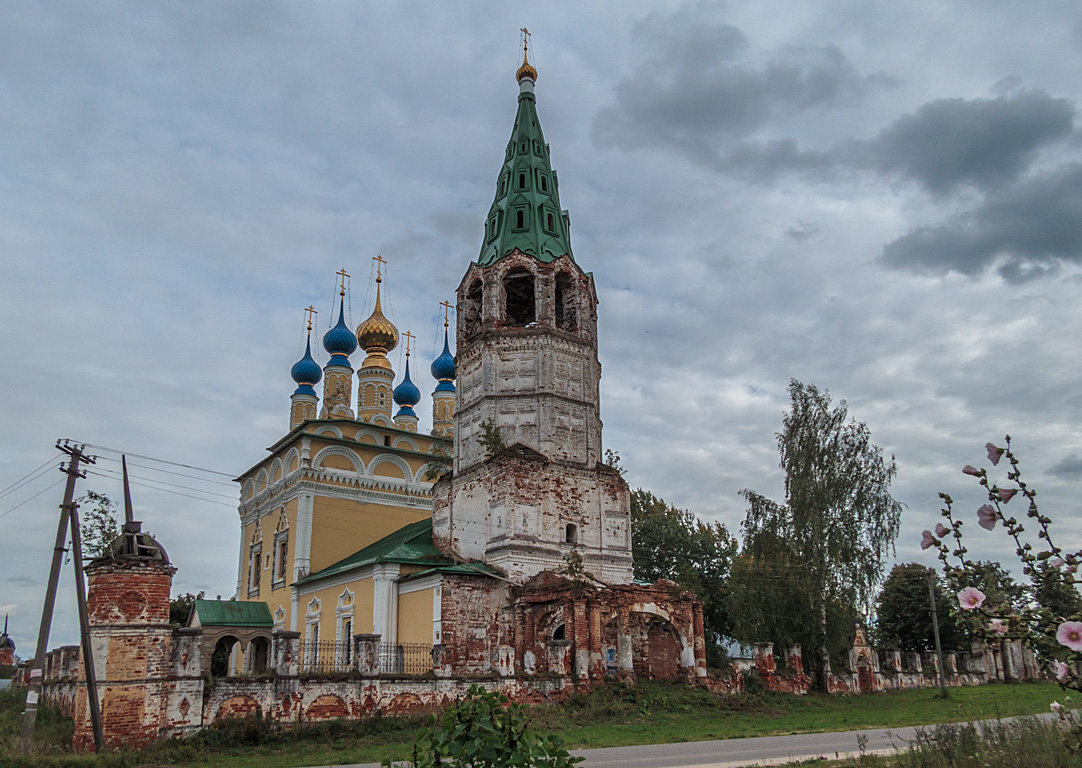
{"type": "Point", "coordinates": [302, 552]}
{"type": "Point", "coordinates": [385, 601]}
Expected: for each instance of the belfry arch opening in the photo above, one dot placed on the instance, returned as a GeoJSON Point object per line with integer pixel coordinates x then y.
{"type": "Point", "coordinates": [471, 317]}
{"type": "Point", "coordinates": [518, 289]}
{"type": "Point", "coordinates": [566, 315]}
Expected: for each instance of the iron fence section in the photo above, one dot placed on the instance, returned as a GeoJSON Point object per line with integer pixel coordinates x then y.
{"type": "Point", "coordinates": [405, 658]}
{"type": "Point", "coordinates": [326, 657]}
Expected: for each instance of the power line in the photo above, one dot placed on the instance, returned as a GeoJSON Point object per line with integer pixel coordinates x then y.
{"type": "Point", "coordinates": [114, 473]}
{"type": "Point", "coordinates": [20, 482]}
{"type": "Point", "coordinates": [160, 461]}
{"type": "Point", "coordinates": [170, 472]}
{"type": "Point", "coordinates": [166, 490]}
{"type": "Point", "coordinates": [58, 482]}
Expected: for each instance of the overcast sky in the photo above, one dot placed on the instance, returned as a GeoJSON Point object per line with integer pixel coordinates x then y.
{"type": "Point", "coordinates": [880, 198]}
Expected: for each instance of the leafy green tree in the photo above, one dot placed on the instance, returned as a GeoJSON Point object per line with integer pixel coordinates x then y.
{"type": "Point", "coordinates": [770, 599]}
{"type": "Point", "coordinates": [1049, 589]}
{"type": "Point", "coordinates": [905, 617]}
{"type": "Point", "coordinates": [97, 524]}
{"type": "Point", "coordinates": [671, 543]}
{"type": "Point", "coordinates": [839, 520]}
{"type": "Point", "coordinates": [485, 730]}
{"type": "Point", "coordinates": [180, 607]}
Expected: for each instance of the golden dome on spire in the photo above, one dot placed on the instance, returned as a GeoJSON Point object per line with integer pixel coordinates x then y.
{"type": "Point", "coordinates": [377, 335]}
{"type": "Point", "coordinates": [527, 69]}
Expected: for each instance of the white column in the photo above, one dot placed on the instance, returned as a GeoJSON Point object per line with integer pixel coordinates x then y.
{"type": "Point", "coordinates": [385, 602]}
{"type": "Point", "coordinates": [302, 550]}
{"type": "Point", "coordinates": [242, 584]}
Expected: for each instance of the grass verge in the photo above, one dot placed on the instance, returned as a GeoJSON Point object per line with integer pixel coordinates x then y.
{"type": "Point", "coordinates": [611, 715]}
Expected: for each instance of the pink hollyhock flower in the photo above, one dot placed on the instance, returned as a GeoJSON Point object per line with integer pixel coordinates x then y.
{"type": "Point", "coordinates": [941, 530]}
{"type": "Point", "coordinates": [998, 626]}
{"type": "Point", "coordinates": [994, 453]}
{"type": "Point", "coordinates": [971, 598]}
{"type": "Point", "coordinates": [1060, 670]}
{"type": "Point", "coordinates": [987, 516]}
{"type": "Point", "coordinates": [1056, 562]}
{"type": "Point", "coordinates": [1057, 708]}
{"type": "Point", "coordinates": [1070, 635]}
{"type": "Point", "coordinates": [926, 539]}
{"type": "Point", "coordinates": [1006, 494]}
{"type": "Point", "coordinates": [969, 469]}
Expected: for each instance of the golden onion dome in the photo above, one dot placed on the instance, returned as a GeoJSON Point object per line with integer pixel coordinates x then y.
{"type": "Point", "coordinates": [526, 70]}
{"type": "Point", "coordinates": [377, 333]}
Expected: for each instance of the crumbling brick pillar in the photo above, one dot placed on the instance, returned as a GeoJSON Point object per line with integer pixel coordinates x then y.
{"type": "Point", "coordinates": [794, 660]}
{"type": "Point", "coordinates": [597, 659]}
{"type": "Point", "coordinates": [285, 652]}
{"type": "Point", "coordinates": [520, 634]}
{"type": "Point", "coordinates": [366, 654]}
{"type": "Point", "coordinates": [580, 640]}
{"type": "Point", "coordinates": [700, 641]}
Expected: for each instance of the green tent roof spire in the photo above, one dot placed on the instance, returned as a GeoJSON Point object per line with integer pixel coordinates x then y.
{"type": "Point", "coordinates": [526, 212]}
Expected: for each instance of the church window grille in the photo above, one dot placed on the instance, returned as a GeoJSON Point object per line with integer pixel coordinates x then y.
{"type": "Point", "coordinates": [518, 286]}
{"type": "Point", "coordinates": [281, 549]}
{"type": "Point", "coordinates": [566, 316]}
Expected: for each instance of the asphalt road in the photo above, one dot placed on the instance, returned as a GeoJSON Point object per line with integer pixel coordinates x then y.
{"type": "Point", "coordinates": [735, 753]}
{"type": "Point", "coordinates": [731, 753]}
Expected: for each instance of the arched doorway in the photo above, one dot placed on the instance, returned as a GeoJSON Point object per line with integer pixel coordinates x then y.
{"type": "Point", "coordinates": [220, 658]}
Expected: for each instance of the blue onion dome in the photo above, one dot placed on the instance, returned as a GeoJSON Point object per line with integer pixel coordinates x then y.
{"type": "Point", "coordinates": [306, 371]}
{"type": "Point", "coordinates": [406, 394]}
{"type": "Point", "coordinates": [339, 341]}
{"type": "Point", "coordinates": [443, 367]}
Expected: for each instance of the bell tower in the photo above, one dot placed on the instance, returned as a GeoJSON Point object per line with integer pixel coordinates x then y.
{"type": "Point", "coordinates": [528, 485]}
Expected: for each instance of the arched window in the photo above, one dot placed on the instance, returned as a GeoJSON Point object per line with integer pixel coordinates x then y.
{"type": "Point", "coordinates": [560, 633]}
{"type": "Point", "coordinates": [571, 534]}
{"type": "Point", "coordinates": [522, 181]}
{"type": "Point", "coordinates": [518, 288]}
{"type": "Point", "coordinates": [545, 188]}
{"type": "Point", "coordinates": [566, 315]}
{"type": "Point", "coordinates": [519, 219]}
{"type": "Point", "coordinates": [471, 317]}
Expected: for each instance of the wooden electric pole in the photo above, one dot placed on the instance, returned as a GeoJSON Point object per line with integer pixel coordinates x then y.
{"type": "Point", "coordinates": [935, 631]}
{"type": "Point", "coordinates": [37, 668]}
{"type": "Point", "coordinates": [84, 628]}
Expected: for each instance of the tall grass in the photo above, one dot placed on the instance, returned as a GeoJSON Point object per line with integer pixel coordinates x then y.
{"type": "Point", "coordinates": [1024, 743]}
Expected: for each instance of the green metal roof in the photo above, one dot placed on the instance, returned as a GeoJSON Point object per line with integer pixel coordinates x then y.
{"type": "Point", "coordinates": [411, 544]}
{"type": "Point", "coordinates": [474, 568]}
{"type": "Point", "coordinates": [526, 213]}
{"type": "Point", "coordinates": [232, 613]}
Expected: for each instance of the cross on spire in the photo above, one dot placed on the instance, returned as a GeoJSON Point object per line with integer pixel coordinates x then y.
{"type": "Point", "coordinates": [309, 314]}
{"type": "Point", "coordinates": [446, 312]}
{"type": "Point", "coordinates": [343, 275]}
{"type": "Point", "coordinates": [380, 263]}
{"type": "Point", "coordinates": [409, 338]}
{"type": "Point", "coordinates": [525, 45]}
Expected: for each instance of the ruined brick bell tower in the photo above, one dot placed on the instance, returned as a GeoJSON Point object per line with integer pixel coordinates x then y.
{"type": "Point", "coordinates": [130, 637]}
{"type": "Point", "coordinates": [527, 365]}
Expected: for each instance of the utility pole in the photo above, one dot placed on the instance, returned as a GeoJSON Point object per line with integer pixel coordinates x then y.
{"type": "Point", "coordinates": [84, 628]}
{"type": "Point", "coordinates": [935, 631]}
{"type": "Point", "coordinates": [36, 670]}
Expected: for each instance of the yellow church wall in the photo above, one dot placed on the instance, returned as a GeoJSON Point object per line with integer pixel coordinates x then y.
{"type": "Point", "coordinates": [415, 617]}
{"type": "Point", "coordinates": [328, 616]}
{"type": "Point", "coordinates": [341, 527]}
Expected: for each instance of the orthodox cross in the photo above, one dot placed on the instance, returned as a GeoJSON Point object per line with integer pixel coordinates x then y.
{"type": "Point", "coordinates": [342, 274]}
{"type": "Point", "coordinates": [525, 44]}
{"type": "Point", "coordinates": [446, 312]}
{"type": "Point", "coordinates": [309, 312]}
{"type": "Point", "coordinates": [409, 337]}
{"type": "Point", "coordinates": [380, 263]}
